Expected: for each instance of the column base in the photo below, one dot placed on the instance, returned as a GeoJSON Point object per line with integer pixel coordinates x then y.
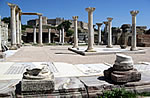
{"type": "Point", "coordinates": [18, 45]}
{"type": "Point", "coordinates": [2, 55]}
{"type": "Point", "coordinates": [90, 50]}
{"type": "Point", "coordinates": [100, 43]}
{"type": "Point", "coordinates": [133, 49]}
{"type": "Point", "coordinates": [13, 47]}
{"type": "Point", "coordinates": [109, 46]}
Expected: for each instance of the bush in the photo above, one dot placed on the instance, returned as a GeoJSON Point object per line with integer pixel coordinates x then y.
{"type": "Point", "coordinates": [118, 93]}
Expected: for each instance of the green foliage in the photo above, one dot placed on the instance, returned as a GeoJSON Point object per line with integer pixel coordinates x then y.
{"type": "Point", "coordinates": [7, 20]}
{"type": "Point", "coordinates": [118, 93]}
{"type": "Point", "coordinates": [65, 24]}
{"type": "Point", "coordinates": [26, 26]}
{"type": "Point", "coordinates": [69, 33]}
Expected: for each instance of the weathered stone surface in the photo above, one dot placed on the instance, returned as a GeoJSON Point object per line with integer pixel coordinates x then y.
{"type": "Point", "coordinates": [123, 62]}
{"type": "Point", "coordinates": [38, 80]}
{"type": "Point", "coordinates": [122, 71]}
{"type": "Point", "coordinates": [37, 85]}
{"type": "Point", "coordinates": [125, 76]}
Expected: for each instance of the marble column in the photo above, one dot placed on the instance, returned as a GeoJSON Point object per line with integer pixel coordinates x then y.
{"type": "Point", "coordinates": [13, 26]}
{"type": "Point", "coordinates": [0, 35]}
{"type": "Point", "coordinates": [75, 18]}
{"type": "Point", "coordinates": [17, 29]}
{"type": "Point", "coordinates": [133, 44]}
{"type": "Point", "coordinates": [60, 36]}
{"type": "Point", "coordinates": [90, 30]}
{"type": "Point", "coordinates": [1, 53]}
{"type": "Point", "coordinates": [49, 35]}
{"type": "Point", "coordinates": [34, 35]}
{"type": "Point", "coordinates": [99, 33]}
{"type": "Point", "coordinates": [40, 30]}
{"type": "Point", "coordinates": [20, 29]}
{"type": "Point", "coordinates": [109, 44]}
{"type": "Point", "coordinates": [63, 35]}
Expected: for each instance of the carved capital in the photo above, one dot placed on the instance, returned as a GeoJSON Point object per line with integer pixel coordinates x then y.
{"type": "Point", "coordinates": [134, 13]}
{"type": "Point", "coordinates": [99, 24]}
{"type": "Point", "coordinates": [90, 9]}
{"type": "Point", "coordinates": [75, 17]}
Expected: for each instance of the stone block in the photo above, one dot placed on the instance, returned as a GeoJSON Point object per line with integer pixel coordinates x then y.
{"type": "Point", "coordinates": [125, 76]}
{"type": "Point", "coordinates": [37, 86]}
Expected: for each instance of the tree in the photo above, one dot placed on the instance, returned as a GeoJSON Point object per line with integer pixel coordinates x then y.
{"type": "Point", "coordinates": [6, 20]}
{"type": "Point", "coordinates": [65, 24]}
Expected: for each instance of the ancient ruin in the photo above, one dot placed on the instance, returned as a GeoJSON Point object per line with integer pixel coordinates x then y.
{"type": "Point", "coordinates": [37, 80]}
{"type": "Point", "coordinates": [122, 71]}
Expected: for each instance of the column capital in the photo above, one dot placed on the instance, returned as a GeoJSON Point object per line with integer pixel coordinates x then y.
{"type": "Point", "coordinates": [109, 19]}
{"type": "Point", "coordinates": [99, 24]}
{"type": "Point", "coordinates": [134, 12]}
{"type": "Point", "coordinates": [12, 5]}
{"type": "Point", "coordinates": [90, 9]}
{"type": "Point", "coordinates": [105, 22]}
{"type": "Point", "coordinates": [75, 17]}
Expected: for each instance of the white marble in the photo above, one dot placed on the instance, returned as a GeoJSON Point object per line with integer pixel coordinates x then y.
{"type": "Point", "coordinates": [75, 45]}
{"type": "Point", "coordinates": [133, 41]}
{"type": "Point", "coordinates": [40, 30]}
{"type": "Point", "coordinates": [90, 11]}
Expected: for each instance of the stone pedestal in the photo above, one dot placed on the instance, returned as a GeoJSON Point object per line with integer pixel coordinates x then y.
{"type": "Point", "coordinates": [37, 86]}
{"type": "Point", "coordinates": [75, 32]}
{"type": "Point", "coordinates": [38, 81]}
{"type": "Point", "coordinates": [133, 44]}
{"type": "Point", "coordinates": [90, 11]}
{"type": "Point", "coordinates": [122, 71]}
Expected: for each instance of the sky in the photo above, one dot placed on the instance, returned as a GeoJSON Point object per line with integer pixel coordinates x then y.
{"type": "Point", "coordinates": [119, 10]}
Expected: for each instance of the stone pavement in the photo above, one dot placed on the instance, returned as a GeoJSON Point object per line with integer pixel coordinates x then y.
{"type": "Point", "coordinates": [70, 69]}
{"type": "Point", "coordinates": [61, 54]}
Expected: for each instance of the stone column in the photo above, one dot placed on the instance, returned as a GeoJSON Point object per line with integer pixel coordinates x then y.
{"type": "Point", "coordinates": [90, 30]}
{"type": "Point", "coordinates": [49, 35]}
{"type": "Point", "coordinates": [13, 26]}
{"type": "Point", "coordinates": [0, 35]}
{"type": "Point", "coordinates": [63, 35]}
{"type": "Point", "coordinates": [20, 29]}
{"type": "Point", "coordinates": [75, 32]}
{"type": "Point", "coordinates": [40, 30]}
{"type": "Point", "coordinates": [99, 33]}
{"type": "Point", "coordinates": [1, 53]}
{"type": "Point", "coordinates": [133, 44]}
{"type": "Point", "coordinates": [109, 45]}
{"type": "Point", "coordinates": [17, 30]}
{"type": "Point", "coordinates": [60, 36]}
{"type": "Point", "coordinates": [34, 34]}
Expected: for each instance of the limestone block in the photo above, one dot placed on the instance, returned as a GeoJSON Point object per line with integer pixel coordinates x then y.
{"type": "Point", "coordinates": [37, 86]}
{"type": "Point", "coordinates": [125, 76]}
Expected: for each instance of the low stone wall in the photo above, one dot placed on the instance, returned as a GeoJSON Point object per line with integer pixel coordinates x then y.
{"type": "Point", "coordinates": [143, 40]}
